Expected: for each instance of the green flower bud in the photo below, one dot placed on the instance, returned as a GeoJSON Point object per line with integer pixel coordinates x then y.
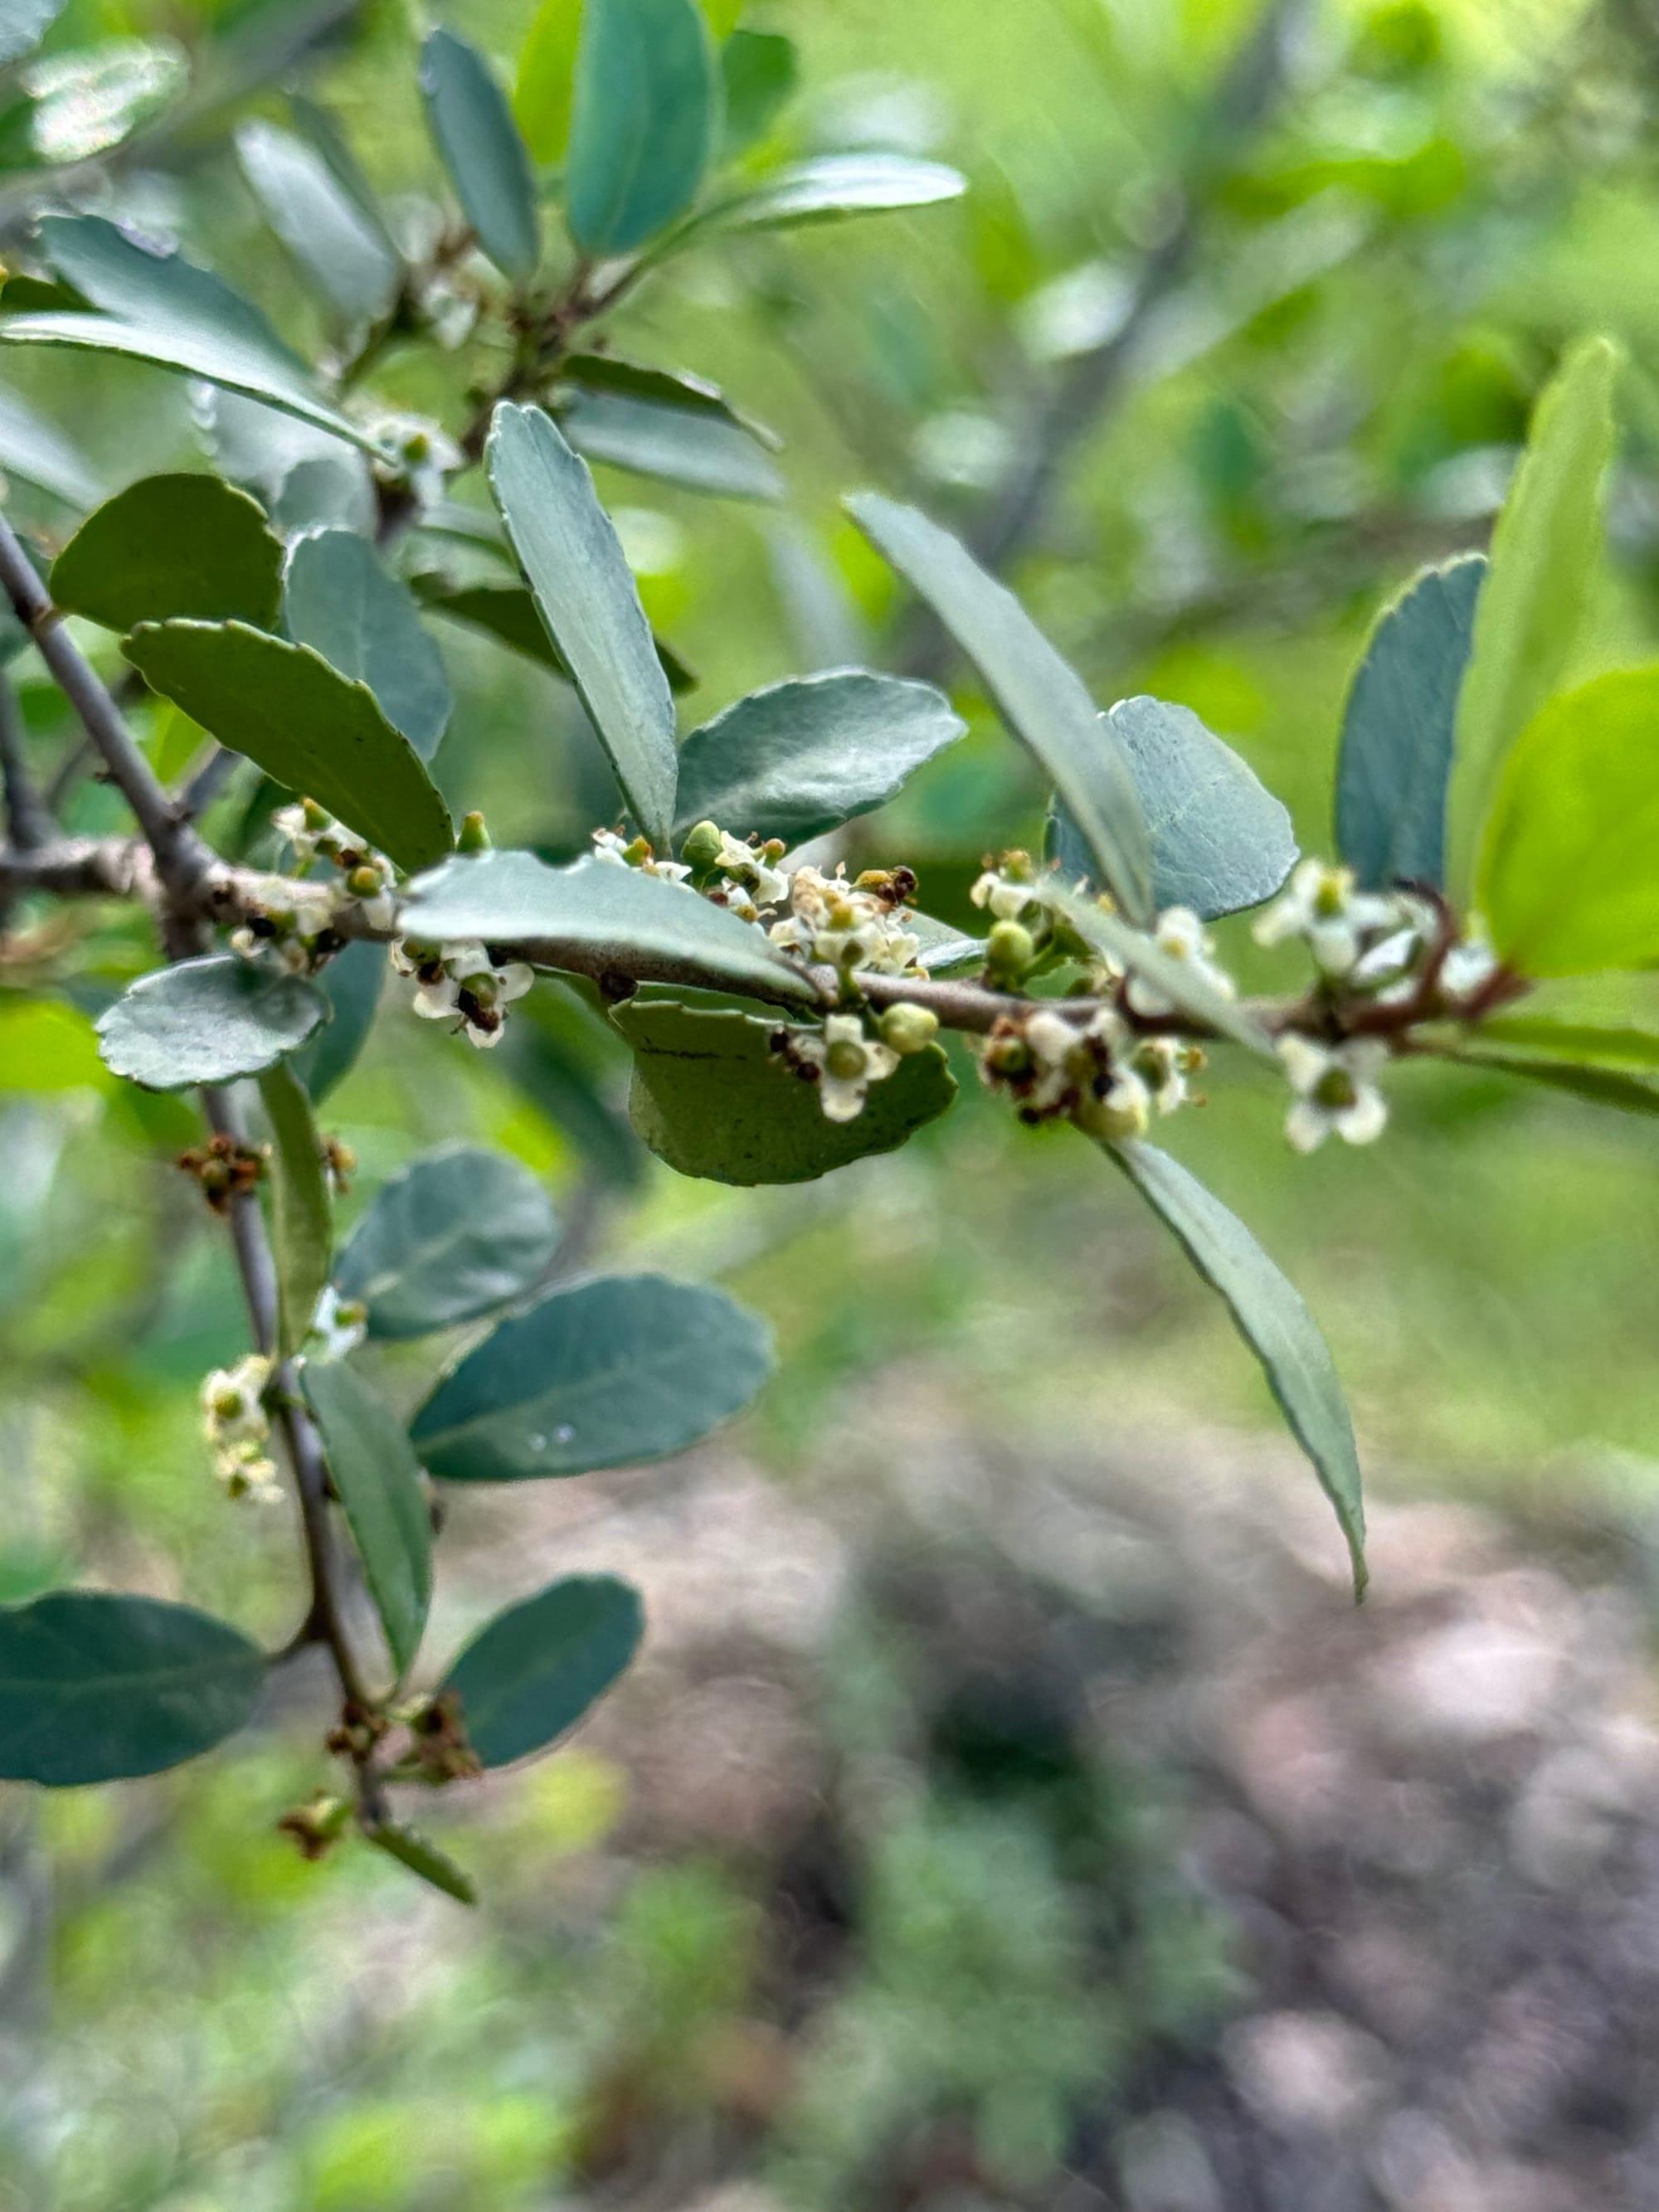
{"type": "Point", "coordinates": [318, 819]}
{"type": "Point", "coordinates": [364, 882]}
{"type": "Point", "coordinates": [702, 848]}
{"type": "Point", "coordinates": [1010, 950]}
{"type": "Point", "coordinates": [907, 1028]}
{"type": "Point", "coordinates": [474, 838]}
{"type": "Point", "coordinates": [846, 1061]}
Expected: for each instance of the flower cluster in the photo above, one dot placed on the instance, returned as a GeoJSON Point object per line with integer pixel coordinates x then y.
{"type": "Point", "coordinates": [848, 926]}
{"type": "Point", "coordinates": [1098, 1072]}
{"type": "Point", "coordinates": [463, 982]}
{"type": "Point", "coordinates": [1180, 935]}
{"type": "Point", "coordinates": [236, 1425]}
{"type": "Point", "coordinates": [297, 923]}
{"type": "Point", "coordinates": [843, 1060]}
{"type": "Point", "coordinates": [609, 846]}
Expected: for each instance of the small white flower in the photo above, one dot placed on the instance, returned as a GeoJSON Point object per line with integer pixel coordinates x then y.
{"type": "Point", "coordinates": [1336, 1089]}
{"type": "Point", "coordinates": [1004, 896]}
{"type": "Point", "coordinates": [849, 1063]}
{"type": "Point", "coordinates": [1322, 907]}
{"type": "Point", "coordinates": [247, 1472]}
{"type": "Point", "coordinates": [743, 866]}
{"type": "Point", "coordinates": [609, 845]}
{"type": "Point", "coordinates": [1181, 936]}
{"type": "Point", "coordinates": [831, 919]}
{"type": "Point", "coordinates": [436, 1000]}
{"type": "Point", "coordinates": [337, 1326]}
{"type": "Point", "coordinates": [1164, 1065]}
{"type": "Point", "coordinates": [1467, 968]}
{"type": "Point", "coordinates": [232, 1411]}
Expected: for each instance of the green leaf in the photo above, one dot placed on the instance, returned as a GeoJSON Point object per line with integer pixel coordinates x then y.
{"type": "Point", "coordinates": [488, 161]}
{"type": "Point", "coordinates": [1583, 1043]}
{"type": "Point", "coordinates": [1040, 697]}
{"type": "Point", "coordinates": [1598, 1086]}
{"type": "Point", "coordinates": [1273, 1321]}
{"type": "Point", "coordinates": [302, 1215]}
{"type": "Point", "coordinates": [625, 1369]}
{"type": "Point", "coordinates": [658, 424]}
{"type": "Point", "coordinates": [835, 185]}
{"type": "Point", "coordinates": [379, 1483]}
{"type": "Point", "coordinates": [423, 1857]}
{"type": "Point", "coordinates": [23, 24]}
{"type": "Point", "coordinates": [1398, 731]}
{"type": "Point", "coordinates": [643, 120]}
{"type": "Point", "coordinates": [1221, 841]}
{"type": "Point", "coordinates": [1140, 956]}
{"type": "Point", "coordinates": [38, 452]}
{"type": "Point", "coordinates": [944, 950]}
{"type": "Point", "coordinates": [711, 1098]}
{"type": "Point", "coordinates": [722, 17]}
{"type": "Point", "coordinates": [574, 562]}
{"type": "Point", "coordinates": [508, 611]}
{"type": "Point", "coordinates": [546, 79]}
{"type": "Point", "coordinates": [351, 984]}
{"type": "Point", "coordinates": [533, 1672]}
{"type": "Point", "coordinates": [309, 728]}
{"type": "Point", "coordinates": [803, 757]}
{"type": "Point", "coordinates": [171, 545]}
{"type": "Point", "coordinates": [98, 1688]}
{"type": "Point", "coordinates": [1545, 552]}
{"type": "Point", "coordinates": [207, 1021]}
{"type": "Point", "coordinates": [321, 131]}
{"type": "Point", "coordinates": [1569, 880]}
{"type": "Point", "coordinates": [318, 220]}
{"type": "Point", "coordinates": [649, 929]}
{"type": "Point", "coordinates": [460, 1233]}
{"type": "Point", "coordinates": [759, 71]}
{"type": "Point", "coordinates": [338, 599]}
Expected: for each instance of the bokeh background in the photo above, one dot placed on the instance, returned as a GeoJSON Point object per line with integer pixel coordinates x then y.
{"type": "Point", "coordinates": [1009, 1810]}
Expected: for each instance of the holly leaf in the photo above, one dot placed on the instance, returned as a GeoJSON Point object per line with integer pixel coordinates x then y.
{"type": "Point", "coordinates": [351, 984]}
{"type": "Point", "coordinates": [644, 116]}
{"type": "Point", "coordinates": [460, 1233]}
{"type": "Point", "coordinates": [529, 1676]}
{"type": "Point", "coordinates": [617, 1371]}
{"type": "Point", "coordinates": [488, 161]}
{"type": "Point", "coordinates": [207, 1021]}
{"type": "Point", "coordinates": [302, 1215]}
{"type": "Point", "coordinates": [375, 1474]}
{"type": "Point", "coordinates": [338, 599]}
{"type": "Point", "coordinates": [345, 252]}
{"type": "Point", "coordinates": [171, 545]}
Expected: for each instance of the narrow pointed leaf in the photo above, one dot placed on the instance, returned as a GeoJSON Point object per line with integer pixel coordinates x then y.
{"type": "Point", "coordinates": [543, 90]}
{"type": "Point", "coordinates": [487, 159]}
{"type": "Point", "coordinates": [1398, 732]}
{"type": "Point", "coordinates": [508, 613]}
{"type": "Point", "coordinates": [573, 564]}
{"type": "Point", "coordinates": [338, 599]}
{"type": "Point", "coordinates": [171, 545]}
{"type": "Point", "coordinates": [96, 1687]}
{"type": "Point", "coordinates": [461, 1233]}
{"type": "Point", "coordinates": [1041, 698]}
{"type": "Point", "coordinates": [1585, 1043]}
{"type": "Point", "coordinates": [530, 1673]}
{"type": "Point", "coordinates": [422, 1856]}
{"type": "Point", "coordinates": [1272, 1321]}
{"type": "Point", "coordinates": [594, 915]}
{"type": "Point", "coordinates": [321, 131]}
{"type": "Point", "coordinates": [1221, 841]}
{"type": "Point", "coordinates": [318, 222]}
{"type": "Point", "coordinates": [207, 1021]}
{"type": "Point", "coordinates": [302, 1215]}
{"type": "Point", "coordinates": [379, 1483]}
{"type": "Point", "coordinates": [1597, 1086]}
{"type": "Point", "coordinates": [711, 1098]}
{"type": "Point", "coordinates": [308, 727]}
{"type": "Point", "coordinates": [625, 1369]}
{"type": "Point", "coordinates": [643, 120]}
{"type": "Point", "coordinates": [693, 447]}
{"type": "Point", "coordinates": [1569, 880]}
{"type": "Point", "coordinates": [122, 274]}
{"type": "Point", "coordinates": [805, 756]}
{"type": "Point", "coordinates": [836, 185]}
{"type": "Point", "coordinates": [1192, 995]}
{"type": "Point", "coordinates": [1545, 552]}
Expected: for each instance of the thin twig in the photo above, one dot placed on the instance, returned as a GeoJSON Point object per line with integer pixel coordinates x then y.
{"type": "Point", "coordinates": [27, 822]}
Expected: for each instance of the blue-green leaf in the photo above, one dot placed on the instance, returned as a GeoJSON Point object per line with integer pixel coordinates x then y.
{"type": "Point", "coordinates": [379, 1484]}
{"type": "Point", "coordinates": [488, 161]}
{"type": "Point", "coordinates": [573, 564]}
{"type": "Point", "coordinates": [1398, 732]}
{"type": "Point", "coordinates": [1221, 841]}
{"type": "Point", "coordinates": [23, 24]}
{"type": "Point", "coordinates": [207, 1021]}
{"type": "Point", "coordinates": [835, 185]}
{"type": "Point", "coordinates": [351, 983]}
{"type": "Point", "coordinates": [302, 1215]}
{"type": "Point", "coordinates": [96, 1687]}
{"type": "Point", "coordinates": [338, 599]}
{"type": "Point", "coordinates": [624, 1369]}
{"type": "Point", "coordinates": [459, 1234]}
{"type": "Point", "coordinates": [171, 545]}
{"type": "Point", "coordinates": [318, 220]}
{"type": "Point", "coordinates": [1272, 1321]}
{"type": "Point", "coordinates": [643, 120]}
{"type": "Point", "coordinates": [533, 1672]}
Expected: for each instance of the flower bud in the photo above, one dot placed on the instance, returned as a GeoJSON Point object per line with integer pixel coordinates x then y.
{"type": "Point", "coordinates": [473, 836]}
{"type": "Point", "coordinates": [702, 848]}
{"type": "Point", "coordinates": [908, 1028]}
{"type": "Point", "coordinates": [845, 1060]}
{"type": "Point", "coordinates": [317, 818]}
{"type": "Point", "coordinates": [1010, 950]}
{"type": "Point", "coordinates": [364, 882]}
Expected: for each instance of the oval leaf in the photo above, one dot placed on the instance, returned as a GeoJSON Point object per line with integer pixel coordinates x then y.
{"type": "Point", "coordinates": [625, 1368]}
{"type": "Point", "coordinates": [1272, 1321]}
{"type": "Point", "coordinates": [460, 1233]}
{"type": "Point", "coordinates": [169, 546]}
{"type": "Point", "coordinates": [804, 757]}
{"type": "Point", "coordinates": [301, 1212]}
{"type": "Point", "coordinates": [642, 120]}
{"type": "Point", "coordinates": [573, 564]}
{"type": "Point", "coordinates": [308, 726]}
{"type": "Point", "coordinates": [318, 221]}
{"type": "Point", "coordinates": [711, 1098]}
{"type": "Point", "coordinates": [351, 984]}
{"type": "Point", "coordinates": [338, 599]}
{"type": "Point", "coordinates": [123, 274]}
{"type": "Point", "coordinates": [488, 161]}
{"type": "Point", "coordinates": [1570, 870]}
{"type": "Point", "coordinates": [423, 1857]}
{"type": "Point", "coordinates": [1041, 698]}
{"type": "Point", "coordinates": [547, 74]}
{"type": "Point", "coordinates": [207, 1021]}
{"type": "Point", "coordinates": [836, 185]}
{"type": "Point", "coordinates": [1398, 731]}
{"type": "Point", "coordinates": [508, 612]}
{"type": "Point", "coordinates": [533, 1672]}
{"type": "Point", "coordinates": [1221, 841]}
{"type": "Point", "coordinates": [594, 915]}
{"type": "Point", "coordinates": [379, 1483]}
{"type": "Point", "coordinates": [1545, 552]}
{"type": "Point", "coordinates": [98, 1688]}
{"type": "Point", "coordinates": [690, 446]}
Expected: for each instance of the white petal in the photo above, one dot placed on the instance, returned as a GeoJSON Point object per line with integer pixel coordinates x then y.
{"type": "Point", "coordinates": [1364, 1058]}
{"type": "Point", "coordinates": [841, 1101]}
{"type": "Point", "coordinates": [485, 1039]}
{"type": "Point", "coordinates": [1305, 1062]}
{"type": "Point", "coordinates": [514, 981]}
{"type": "Point", "coordinates": [1363, 1122]}
{"type": "Point", "coordinates": [435, 1002]}
{"type": "Point", "coordinates": [843, 1029]}
{"type": "Point", "coordinates": [879, 1061]}
{"type": "Point", "coordinates": [1307, 1126]}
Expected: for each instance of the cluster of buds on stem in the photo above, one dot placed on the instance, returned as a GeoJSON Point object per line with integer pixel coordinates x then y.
{"type": "Point", "coordinates": [1098, 1072]}
{"type": "Point", "coordinates": [301, 923]}
{"type": "Point", "coordinates": [238, 1427]}
{"type": "Point", "coordinates": [225, 1168]}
